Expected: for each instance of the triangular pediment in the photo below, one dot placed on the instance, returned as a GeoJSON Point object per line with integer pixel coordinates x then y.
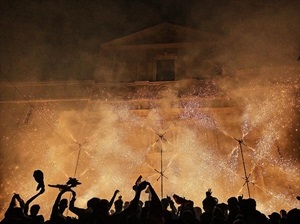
{"type": "Point", "coordinates": [164, 33]}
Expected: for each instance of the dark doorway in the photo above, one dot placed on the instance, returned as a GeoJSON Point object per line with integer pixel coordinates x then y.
{"type": "Point", "coordinates": [165, 70]}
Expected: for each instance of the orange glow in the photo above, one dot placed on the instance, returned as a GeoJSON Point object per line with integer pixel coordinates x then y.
{"type": "Point", "coordinates": [117, 145]}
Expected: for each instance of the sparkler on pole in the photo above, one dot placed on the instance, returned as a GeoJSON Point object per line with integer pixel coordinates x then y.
{"type": "Point", "coordinates": [246, 176]}
{"type": "Point", "coordinates": [80, 147]}
{"type": "Point", "coordinates": [161, 172]}
{"type": "Point", "coordinates": [240, 143]}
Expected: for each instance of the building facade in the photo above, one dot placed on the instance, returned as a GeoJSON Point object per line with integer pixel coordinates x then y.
{"type": "Point", "coordinates": [161, 107]}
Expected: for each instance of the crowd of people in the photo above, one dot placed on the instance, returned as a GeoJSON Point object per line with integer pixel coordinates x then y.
{"type": "Point", "coordinates": [167, 210]}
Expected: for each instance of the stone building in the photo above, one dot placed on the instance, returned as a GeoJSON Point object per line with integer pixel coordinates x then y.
{"type": "Point", "coordinates": [161, 107]}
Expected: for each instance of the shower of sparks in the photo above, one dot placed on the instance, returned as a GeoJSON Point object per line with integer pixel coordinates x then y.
{"type": "Point", "coordinates": [122, 147]}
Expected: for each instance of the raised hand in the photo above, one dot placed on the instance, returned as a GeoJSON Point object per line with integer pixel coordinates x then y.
{"type": "Point", "coordinates": [142, 186]}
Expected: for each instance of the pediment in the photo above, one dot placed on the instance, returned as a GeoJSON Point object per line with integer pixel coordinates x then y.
{"type": "Point", "coordinates": [164, 33]}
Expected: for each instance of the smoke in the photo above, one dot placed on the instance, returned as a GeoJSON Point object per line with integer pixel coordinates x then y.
{"type": "Point", "coordinates": [60, 40]}
{"type": "Point", "coordinates": [252, 33]}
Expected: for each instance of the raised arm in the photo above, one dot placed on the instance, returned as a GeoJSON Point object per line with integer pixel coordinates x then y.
{"type": "Point", "coordinates": [134, 203]}
{"type": "Point", "coordinates": [55, 209]}
{"type": "Point", "coordinates": [77, 211]}
{"type": "Point", "coordinates": [13, 204]}
{"type": "Point", "coordinates": [113, 199]}
{"type": "Point", "coordinates": [155, 211]}
{"type": "Point", "coordinates": [26, 206]}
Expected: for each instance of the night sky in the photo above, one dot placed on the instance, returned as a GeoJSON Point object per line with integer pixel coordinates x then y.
{"type": "Point", "coordinates": [60, 40]}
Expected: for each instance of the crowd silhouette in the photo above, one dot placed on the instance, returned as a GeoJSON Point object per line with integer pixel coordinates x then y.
{"type": "Point", "coordinates": [177, 209]}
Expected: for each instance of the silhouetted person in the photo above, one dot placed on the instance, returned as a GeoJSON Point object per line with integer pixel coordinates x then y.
{"type": "Point", "coordinates": [155, 209]}
{"type": "Point", "coordinates": [208, 204]}
{"type": "Point", "coordinates": [198, 212]}
{"type": "Point", "coordinates": [188, 217]}
{"type": "Point", "coordinates": [102, 212]}
{"type": "Point", "coordinates": [84, 214]}
{"type": "Point", "coordinates": [126, 204]}
{"type": "Point", "coordinates": [274, 218]}
{"type": "Point", "coordinates": [15, 214]}
{"type": "Point", "coordinates": [233, 207]}
{"type": "Point", "coordinates": [249, 212]}
{"type": "Point", "coordinates": [111, 202]}
{"type": "Point", "coordinates": [293, 216]}
{"type": "Point", "coordinates": [219, 215]}
{"type": "Point", "coordinates": [118, 205]}
{"type": "Point", "coordinates": [168, 214]}
{"type": "Point", "coordinates": [34, 210]}
{"type": "Point", "coordinates": [58, 209]}
{"type": "Point", "coordinates": [184, 205]}
{"type": "Point", "coordinates": [283, 214]}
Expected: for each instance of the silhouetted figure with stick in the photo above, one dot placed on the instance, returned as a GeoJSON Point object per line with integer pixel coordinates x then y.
{"type": "Point", "coordinates": [34, 210]}
{"type": "Point", "coordinates": [58, 209]}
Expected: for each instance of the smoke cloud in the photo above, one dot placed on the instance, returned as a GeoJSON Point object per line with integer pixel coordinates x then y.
{"type": "Point", "coordinates": [258, 46]}
{"type": "Point", "coordinates": [59, 40]}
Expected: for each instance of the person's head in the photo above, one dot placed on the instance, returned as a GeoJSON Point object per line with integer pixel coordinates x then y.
{"type": "Point", "coordinates": [126, 204]}
{"type": "Point", "coordinates": [104, 206]}
{"type": "Point", "coordinates": [283, 213]}
{"type": "Point", "coordinates": [34, 210]}
{"type": "Point", "coordinates": [293, 216]}
{"type": "Point", "coordinates": [209, 203]}
{"type": "Point", "coordinates": [198, 212]}
{"type": "Point", "coordinates": [232, 203]}
{"type": "Point", "coordinates": [63, 204]}
{"type": "Point", "coordinates": [165, 203]}
{"type": "Point", "coordinates": [118, 205]}
{"type": "Point", "coordinates": [93, 202]}
{"type": "Point", "coordinates": [275, 216]}
{"type": "Point", "coordinates": [223, 207]}
{"type": "Point", "coordinates": [247, 205]}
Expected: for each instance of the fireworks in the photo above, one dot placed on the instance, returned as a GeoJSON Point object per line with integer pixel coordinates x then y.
{"type": "Point", "coordinates": [116, 145]}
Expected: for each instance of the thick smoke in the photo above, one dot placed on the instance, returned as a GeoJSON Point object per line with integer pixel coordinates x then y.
{"type": "Point", "coordinates": [252, 33]}
{"type": "Point", "coordinates": [60, 40]}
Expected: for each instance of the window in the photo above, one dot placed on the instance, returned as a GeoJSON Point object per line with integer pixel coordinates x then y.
{"type": "Point", "coordinates": [165, 70]}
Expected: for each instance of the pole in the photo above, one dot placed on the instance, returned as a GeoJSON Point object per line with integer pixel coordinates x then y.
{"type": "Point", "coordinates": [161, 170]}
{"type": "Point", "coordinates": [244, 166]}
